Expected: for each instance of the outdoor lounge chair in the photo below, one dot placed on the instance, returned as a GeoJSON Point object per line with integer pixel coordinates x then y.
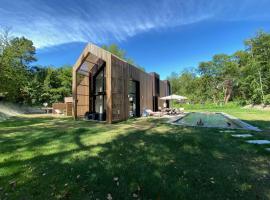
{"type": "Point", "coordinates": [175, 111]}
{"type": "Point", "coordinates": [155, 114]}
{"type": "Point", "coordinates": [57, 111]}
{"type": "Point", "coordinates": [179, 111]}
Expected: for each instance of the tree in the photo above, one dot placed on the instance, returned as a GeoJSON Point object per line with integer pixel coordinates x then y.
{"type": "Point", "coordinates": [48, 84]}
{"type": "Point", "coordinates": [114, 49]}
{"type": "Point", "coordinates": [16, 55]}
{"type": "Point", "coordinates": [259, 49]}
{"type": "Point", "coordinates": [243, 76]}
{"type": "Point", "coordinates": [210, 81]}
{"type": "Point", "coordinates": [174, 81]}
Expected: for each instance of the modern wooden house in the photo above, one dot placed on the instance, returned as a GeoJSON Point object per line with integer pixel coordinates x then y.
{"type": "Point", "coordinates": [108, 88]}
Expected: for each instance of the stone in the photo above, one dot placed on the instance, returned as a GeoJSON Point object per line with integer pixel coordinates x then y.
{"type": "Point", "coordinates": [227, 131]}
{"type": "Point", "coordinates": [258, 141]}
{"type": "Point", "coordinates": [242, 135]}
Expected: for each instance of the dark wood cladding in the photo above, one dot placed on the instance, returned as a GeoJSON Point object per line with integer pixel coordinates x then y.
{"type": "Point", "coordinates": [118, 75]}
{"type": "Point", "coordinates": [155, 84]}
{"type": "Point", "coordinates": [122, 72]}
{"type": "Point", "coordinates": [65, 108]}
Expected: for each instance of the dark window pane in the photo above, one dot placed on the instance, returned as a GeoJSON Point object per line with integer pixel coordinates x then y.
{"type": "Point", "coordinates": [99, 82]}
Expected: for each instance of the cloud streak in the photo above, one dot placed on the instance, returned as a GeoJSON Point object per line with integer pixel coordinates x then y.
{"type": "Point", "coordinates": [54, 22]}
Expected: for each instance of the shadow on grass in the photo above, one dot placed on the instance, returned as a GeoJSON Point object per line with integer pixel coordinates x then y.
{"type": "Point", "coordinates": [264, 125]}
{"type": "Point", "coordinates": [182, 163]}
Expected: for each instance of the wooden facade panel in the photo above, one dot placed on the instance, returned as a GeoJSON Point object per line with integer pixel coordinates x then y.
{"type": "Point", "coordinates": [65, 108]}
{"type": "Point", "coordinates": [81, 110]}
{"type": "Point", "coordinates": [146, 92]}
{"type": "Point", "coordinates": [82, 95]}
{"type": "Point", "coordinates": [134, 73]}
{"type": "Point", "coordinates": [117, 107]}
{"type": "Point", "coordinates": [69, 109]}
{"type": "Point", "coordinates": [117, 85]}
{"type": "Point", "coordinates": [119, 89]}
{"type": "Point", "coordinates": [118, 75]}
{"type": "Point", "coordinates": [122, 73]}
{"type": "Point", "coordinates": [163, 93]}
{"type": "Point", "coordinates": [59, 106]}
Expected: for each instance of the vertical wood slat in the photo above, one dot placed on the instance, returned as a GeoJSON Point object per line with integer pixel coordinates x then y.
{"type": "Point", "coordinates": [74, 93]}
{"type": "Point", "coordinates": [82, 94]}
{"type": "Point", "coordinates": [122, 73]}
{"type": "Point", "coordinates": [118, 75]}
{"type": "Point", "coordinates": [76, 66]}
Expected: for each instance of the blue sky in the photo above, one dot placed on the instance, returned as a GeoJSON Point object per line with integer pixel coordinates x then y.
{"type": "Point", "coordinates": [160, 35]}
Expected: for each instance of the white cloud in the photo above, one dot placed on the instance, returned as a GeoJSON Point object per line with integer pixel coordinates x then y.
{"type": "Point", "coordinates": [50, 23]}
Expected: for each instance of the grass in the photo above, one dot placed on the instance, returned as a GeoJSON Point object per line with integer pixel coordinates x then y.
{"type": "Point", "coordinates": [58, 158]}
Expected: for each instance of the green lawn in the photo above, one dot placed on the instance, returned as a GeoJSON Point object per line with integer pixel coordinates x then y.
{"type": "Point", "coordinates": [58, 158]}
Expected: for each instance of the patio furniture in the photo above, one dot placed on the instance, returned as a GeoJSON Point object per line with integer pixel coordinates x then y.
{"type": "Point", "coordinates": [174, 97]}
{"type": "Point", "coordinates": [47, 109]}
{"type": "Point", "coordinates": [151, 113]}
{"type": "Point", "coordinates": [57, 111]}
{"type": "Point", "coordinates": [180, 110]}
{"type": "Point", "coordinates": [173, 111]}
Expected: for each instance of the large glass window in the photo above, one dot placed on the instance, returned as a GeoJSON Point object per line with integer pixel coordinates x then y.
{"type": "Point", "coordinates": [100, 80]}
{"type": "Point", "coordinates": [99, 103]}
{"type": "Point", "coordinates": [134, 98]}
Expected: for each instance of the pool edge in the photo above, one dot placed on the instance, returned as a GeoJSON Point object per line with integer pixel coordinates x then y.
{"type": "Point", "coordinates": [238, 121]}
{"type": "Point", "coordinates": [244, 125]}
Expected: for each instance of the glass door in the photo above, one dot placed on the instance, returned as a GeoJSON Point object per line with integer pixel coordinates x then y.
{"type": "Point", "coordinates": [134, 98]}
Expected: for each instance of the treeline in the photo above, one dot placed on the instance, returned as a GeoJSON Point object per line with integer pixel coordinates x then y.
{"type": "Point", "coordinates": [243, 77]}
{"type": "Point", "coordinates": [21, 82]}
{"type": "Point", "coordinates": [24, 83]}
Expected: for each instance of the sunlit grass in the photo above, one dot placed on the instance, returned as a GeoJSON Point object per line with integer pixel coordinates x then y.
{"type": "Point", "coordinates": [58, 158]}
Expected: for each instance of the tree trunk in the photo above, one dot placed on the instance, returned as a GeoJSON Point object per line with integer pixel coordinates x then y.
{"type": "Point", "coordinates": [261, 86]}
{"type": "Point", "coordinates": [228, 85]}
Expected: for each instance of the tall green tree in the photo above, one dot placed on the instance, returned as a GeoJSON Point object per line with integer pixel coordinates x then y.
{"type": "Point", "coordinates": [16, 55]}
{"type": "Point", "coordinates": [258, 48]}
{"type": "Point", "coordinates": [116, 50]}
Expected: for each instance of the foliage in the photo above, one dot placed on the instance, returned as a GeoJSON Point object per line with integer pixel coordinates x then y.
{"type": "Point", "coordinates": [20, 82]}
{"type": "Point", "coordinates": [243, 76]}
{"type": "Point", "coordinates": [16, 54]}
{"type": "Point", "coordinates": [114, 49]}
{"type": "Point", "coordinates": [49, 85]}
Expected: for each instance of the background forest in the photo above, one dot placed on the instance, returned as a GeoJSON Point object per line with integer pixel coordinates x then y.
{"type": "Point", "coordinates": [243, 77]}
{"type": "Point", "coordinates": [21, 82]}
